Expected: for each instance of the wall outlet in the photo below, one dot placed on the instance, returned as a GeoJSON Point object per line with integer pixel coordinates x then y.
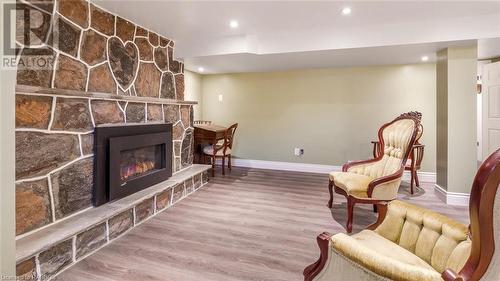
{"type": "Point", "coordinates": [298, 151]}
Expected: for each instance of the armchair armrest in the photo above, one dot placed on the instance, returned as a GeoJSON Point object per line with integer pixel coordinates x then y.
{"type": "Point", "coordinates": [351, 164]}
{"type": "Point", "coordinates": [385, 179]}
{"type": "Point", "coordinates": [450, 275]}
{"type": "Point", "coordinates": [312, 270]}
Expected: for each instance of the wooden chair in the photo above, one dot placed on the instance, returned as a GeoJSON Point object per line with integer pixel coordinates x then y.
{"type": "Point", "coordinates": [414, 159]}
{"type": "Point", "coordinates": [412, 243]}
{"type": "Point", "coordinates": [202, 122]}
{"type": "Point", "coordinates": [222, 149]}
{"type": "Point", "coordinates": [377, 180]}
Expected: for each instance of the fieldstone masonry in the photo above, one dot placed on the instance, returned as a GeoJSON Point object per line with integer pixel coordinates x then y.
{"type": "Point", "coordinates": [93, 51]}
{"type": "Point", "coordinates": [101, 69]}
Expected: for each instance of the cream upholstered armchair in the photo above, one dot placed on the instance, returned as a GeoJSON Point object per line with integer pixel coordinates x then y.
{"type": "Point", "coordinates": [410, 243]}
{"type": "Point", "coordinates": [377, 180]}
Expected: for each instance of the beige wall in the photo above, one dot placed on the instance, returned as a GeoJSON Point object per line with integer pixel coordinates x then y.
{"type": "Point", "coordinates": [462, 116]}
{"type": "Point", "coordinates": [7, 164]}
{"type": "Point", "coordinates": [332, 113]}
{"type": "Point", "coordinates": [456, 104]}
{"type": "Point", "coordinates": [193, 91]}
{"type": "Point", "coordinates": [442, 118]}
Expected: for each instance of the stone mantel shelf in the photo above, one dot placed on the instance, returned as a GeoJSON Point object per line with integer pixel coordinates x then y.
{"type": "Point", "coordinates": [42, 239]}
{"type": "Point", "coordinates": [25, 89]}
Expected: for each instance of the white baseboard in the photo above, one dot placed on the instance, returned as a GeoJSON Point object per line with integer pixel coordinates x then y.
{"type": "Point", "coordinates": [312, 168]}
{"type": "Point", "coordinates": [285, 166]}
{"type": "Point", "coordinates": [451, 198]}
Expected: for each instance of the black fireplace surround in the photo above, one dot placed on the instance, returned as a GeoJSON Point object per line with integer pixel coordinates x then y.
{"type": "Point", "coordinates": [129, 158]}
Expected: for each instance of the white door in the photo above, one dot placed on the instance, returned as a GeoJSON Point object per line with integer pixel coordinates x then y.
{"type": "Point", "coordinates": [491, 108]}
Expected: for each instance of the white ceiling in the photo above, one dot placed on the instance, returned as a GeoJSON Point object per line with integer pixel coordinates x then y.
{"type": "Point", "coordinates": [282, 35]}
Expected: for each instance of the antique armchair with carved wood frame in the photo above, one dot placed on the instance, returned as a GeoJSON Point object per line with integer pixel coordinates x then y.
{"type": "Point", "coordinates": [415, 158]}
{"type": "Point", "coordinates": [377, 180]}
{"type": "Point", "coordinates": [411, 243]}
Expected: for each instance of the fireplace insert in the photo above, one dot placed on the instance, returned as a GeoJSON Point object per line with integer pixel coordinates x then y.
{"type": "Point", "coordinates": [129, 158]}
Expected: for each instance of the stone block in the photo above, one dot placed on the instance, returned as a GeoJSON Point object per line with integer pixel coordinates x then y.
{"type": "Point", "coordinates": [179, 86]}
{"type": "Point", "coordinates": [70, 74]}
{"type": "Point", "coordinates": [177, 133]}
{"type": "Point", "coordinates": [163, 199]}
{"type": "Point", "coordinates": [102, 21]}
{"type": "Point", "coordinates": [161, 59]}
{"type": "Point", "coordinates": [105, 112]}
{"type": "Point", "coordinates": [135, 112]}
{"type": "Point", "coordinates": [33, 111]}
{"type": "Point", "coordinates": [155, 113]}
{"type": "Point", "coordinates": [177, 148]}
{"type": "Point", "coordinates": [139, 31]}
{"type": "Point", "coordinates": [177, 164]}
{"type": "Point", "coordinates": [93, 50]}
{"type": "Point", "coordinates": [87, 144]}
{"type": "Point", "coordinates": [38, 24]}
{"type": "Point", "coordinates": [186, 115]}
{"type": "Point", "coordinates": [33, 209]}
{"type": "Point", "coordinates": [26, 270]}
{"type": "Point", "coordinates": [56, 258]}
{"type": "Point", "coordinates": [167, 86]}
{"type": "Point", "coordinates": [120, 223]}
{"type": "Point", "coordinates": [39, 153]}
{"type": "Point", "coordinates": [65, 37]}
{"type": "Point", "coordinates": [187, 149]}
{"type": "Point", "coordinates": [41, 75]}
{"type": "Point", "coordinates": [204, 177]}
{"type": "Point", "coordinates": [189, 185]}
{"type": "Point", "coordinates": [144, 210]}
{"type": "Point", "coordinates": [90, 240]}
{"type": "Point", "coordinates": [72, 115]}
{"type": "Point", "coordinates": [75, 10]}
{"type": "Point", "coordinates": [123, 60]}
{"type": "Point", "coordinates": [147, 83]}
{"type": "Point", "coordinates": [172, 113]}
{"type": "Point", "coordinates": [72, 187]}
{"type": "Point", "coordinates": [153, 39]}
{"type": "Point", "coordinates": [145, 49]}
{"type": "Point", "coordinates": [164, 42]}
{"type": "Point", "coordinates": [179, 192]}
{"type": "Point", "coordinates": [101, 80]}
{"type": "Point", "coordinates": [124, 29]}
{"type": "Point", "coordinates": [197, 181]}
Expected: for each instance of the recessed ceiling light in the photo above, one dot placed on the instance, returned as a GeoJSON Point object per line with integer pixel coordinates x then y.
{"type": "Point", "coordinates": [425, 58]}
{"type": "Point", "coordinates": [346, 11]}
{"type": "Point", "coordinates": [233, 24]}
{"type": "Point", "coordinates": [201, 69]}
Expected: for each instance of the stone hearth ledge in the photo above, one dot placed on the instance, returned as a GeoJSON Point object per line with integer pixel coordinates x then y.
{"type": "Point", "coordinates": [25, 89]}
{"type": "Point", "coordinates": [31, 245]}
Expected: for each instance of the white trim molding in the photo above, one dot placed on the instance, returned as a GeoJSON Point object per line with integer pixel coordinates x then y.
{"type": "Point", "coordinates": [451, 198]}
{"type": "Point", "coordinates": [312, 168]}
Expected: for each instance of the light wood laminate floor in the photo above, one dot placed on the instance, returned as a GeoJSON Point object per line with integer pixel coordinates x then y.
{"type": "Point", "coordinates": [249, 225]}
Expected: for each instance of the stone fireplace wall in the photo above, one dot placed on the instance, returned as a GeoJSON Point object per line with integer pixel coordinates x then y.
{"type": "Point", "coordinates": [93, 50]}
{"type": "Point", "coordinates": [105, 70]}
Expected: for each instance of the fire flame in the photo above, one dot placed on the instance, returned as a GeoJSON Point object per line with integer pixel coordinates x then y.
{"type": "Point", "coordinates": [136, 169]}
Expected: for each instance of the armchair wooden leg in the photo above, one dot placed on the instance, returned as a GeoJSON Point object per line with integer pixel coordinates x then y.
{"type": "Point", "coordinates": [411, 182]}
{"type": "Point", "coordinates": [330, 190]}
{"type": "Point", "coordinates": [416, 179]}
{"type": "Point", "coordinates": [223, 165]}
{"type": "Point", "coordinates": [350, 214]}
{"type": "Point", "coordinates": [229, 162]}
{"type": "Point", "coordinates": [213, 166]}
